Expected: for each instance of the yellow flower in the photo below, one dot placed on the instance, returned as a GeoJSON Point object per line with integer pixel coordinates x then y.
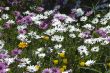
{"type": "Point", "coordinates": [64, 66]}
{"type": "Point", "coordinates": [55, 61]}
{"type": "Point", "coordinates": [108, 64]}
{"type": "Point", "coordinates": [62, 55]}
{"type": "Point", "coordinates": [82, 63]}
{"type": "Point", "coordinates": [37, 67]}
{"type": "Point", "coordinates": [62, 69]}
{"type": "Point", "coordinates": [22, 45]}
{"type": "Point", "coordinates": [45, 37]}
{"type": "Point", "coordinates": [65, 61]}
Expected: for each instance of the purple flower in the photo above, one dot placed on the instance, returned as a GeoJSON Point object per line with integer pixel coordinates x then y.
{"type": "Point", "coordinates": [24, 20]}
{"type": "Point", "coordinates": [102, 33]}
{"type": "Point", "coordinates": [23, 31]}
{"type": "Point", "coordinates": [16, 51]}
{"type": "Point", "coordinates": [2, 8]}
{"type": "Point", "coordinates": [108, 38]}
{"type": "Point", "coordinates": [43, 25]}
{"type": "Point", "coordinates": [7, 25]}
{"type": "Point", "coordinates": [47, 70]}
{"type": "Point", "coordinates": [31, 14]}
{"type": "Point", "coordinates": [87, 34]}
{"type": "Point", "coordinates": [3, 56]}
{"type": "Point", "coordinates": [72, 15]}
{"type": "Point", "coordinates": [89, 13]}
{"type": "Point", "coordinates": [40, 9]}
{"type": "Point", "coordinates": [13, 2]}
{"type": "Point", "coordinates": [16, 13]}
{"type": "Point", "coordinates": [55, 70]}
{"type": "Point", "coordinates": [60, 17]}
{"type": "Point", "coordinates": [28, 19]}
{"type": "Point", "coordinates": [3, 67]}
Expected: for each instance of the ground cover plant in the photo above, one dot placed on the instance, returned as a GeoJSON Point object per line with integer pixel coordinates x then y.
{"type": "Point", "coordinates": [39, 39]}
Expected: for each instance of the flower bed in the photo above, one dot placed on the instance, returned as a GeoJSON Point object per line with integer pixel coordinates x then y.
{"type": "Point", "coordinates": [47, 41]}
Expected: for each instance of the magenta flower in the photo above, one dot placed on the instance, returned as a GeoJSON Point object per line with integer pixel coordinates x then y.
{"type": "Point", "coordinates": [43, 25]}
{"type": "Point", "coordinates": [17, 13]}
{"type": "Point", "coordinates": [2, 8]}
{"type": "Point", "coordinates": [3, 67]}
{"type": "Point", "coordinates": [7, 25]}
{"type": "Point", "coordinates": [60, 17]}
{"type": "Point", "coordinates": [102, 33]}
{"type": "Point", "coordinates": [23, 31]}
{"type": "Point", "coordinates": [24, 20]}
{"type": "Point", "coordinates": [47, 70]}
{"type": "Point", "coordinates": [16, 51]}
{"type": "Point", "coordinates": [55, 70]}
{"type": "Point", "coordinates": [40, 9]}
{"type": "Point", "coordinates": [3, 56]}
{"type": "Point", "coordinates": [89, 13]}
{"type": "Point", "coordinates": [87, 34]}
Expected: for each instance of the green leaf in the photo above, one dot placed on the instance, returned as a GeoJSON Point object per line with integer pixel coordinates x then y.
{"type": "Point", "coordinates": [107, 71]}
{"type": "Point", "coordinates": [92, 69]}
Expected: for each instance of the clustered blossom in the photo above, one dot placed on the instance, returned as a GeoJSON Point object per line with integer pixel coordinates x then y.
{"type": "Point", "coordinates": [45, 41]}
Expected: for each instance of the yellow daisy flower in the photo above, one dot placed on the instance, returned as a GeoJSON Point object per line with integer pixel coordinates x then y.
{"type": "Point", "coordinates": [55, 61]}
{"type": "Point", "coordinates": [62, 55]}
{"type": "Point", "coordinates": [23, 45]}
{"type": "Point", "coordinates": [82, 63]}
{"type": "Point", "coordinates": [65, 61]}
{"type": "Point", "coordinates": [37, 67]}
{"type": "Point", "coordinates": [45, 37]}
{"type": "Point", "coordinates": [64, 66]}
{"type": "Point", "coordinates": [62, 70]}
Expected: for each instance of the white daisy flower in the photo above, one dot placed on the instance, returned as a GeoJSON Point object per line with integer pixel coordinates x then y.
{"type": "Point", "coordinates": [57, 46]}
{"type": "Point", "coordinates": [9, 60]}
{"type": "Point", "coordinates": [89, 62]}
{"type": "Point", "coordinates": [72, 35]}
{"type": "Point", "coordinates": [5, 16]}
{"type": "Point", "coordinates": [10, 22]}
{"type": "Point", "coordinates": [26, 13]}
{"type": "Point", "coordinates": [83, 18]}
{"type": "Point", "coordinates": [95, 49]}
{"type": "Point", "coordinates": [69, 20]}
{"type": "Point", "coordinates": [88, 26]}
{"type": "Point", "coordinates": [40, 49]}
{"type": "Point", "coordinates": [83, 50]}
{"type": "Point", "coordinates": [50, 32]}
{"type": "Point", "coordinates": [25, 60]}
{"type": "Point", "coordinates": [1, 44]}
{"type": "Point", "coordinates": [105, 42]}
{"type": "Point", "coordinates": [95, 21]}
{"type": "Point", "coordinates": [41, 55]}
{"type": "Point", "coordinates": [22, 65]}
{"type": "Point", "coordinates": [79, 12]}
{"type": "Point", "coordinates": [21, 27]}
{"type": "Point", "coordinates": [103, 21]}
{"type": "Point", "coordinates": [31, 68]}
{"type": "Point", "coordinates": [22, 37]}
{"type": "Point", "coordinates": [57, 38]}
{"type": "Point", "coordinates": [7, 8]}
